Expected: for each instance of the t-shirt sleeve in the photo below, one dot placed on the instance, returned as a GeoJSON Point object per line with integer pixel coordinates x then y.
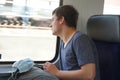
{"type": "Point", "coordinates": [84, 51]}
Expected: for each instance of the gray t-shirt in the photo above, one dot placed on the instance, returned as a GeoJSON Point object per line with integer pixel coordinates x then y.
{"type": "Point", "coordinates": [80, 50]}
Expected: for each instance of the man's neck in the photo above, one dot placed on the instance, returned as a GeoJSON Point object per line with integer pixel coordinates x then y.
{"type": "Point", "coordinates": [67, 35]}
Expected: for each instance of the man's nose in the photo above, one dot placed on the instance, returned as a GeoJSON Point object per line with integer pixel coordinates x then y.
{"type": "Point", "coordinates": [50, 25]}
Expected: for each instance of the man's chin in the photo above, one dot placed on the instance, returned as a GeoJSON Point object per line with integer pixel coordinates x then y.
{"type": "Point", "coordinates": [53, 33]}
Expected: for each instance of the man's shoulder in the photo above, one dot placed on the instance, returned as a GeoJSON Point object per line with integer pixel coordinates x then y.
{"type": "Point", "coordinates": [79, 34]}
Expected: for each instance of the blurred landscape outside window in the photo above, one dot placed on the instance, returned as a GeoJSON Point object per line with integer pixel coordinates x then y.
{"type": "Point", "coordinates": [25, 31]}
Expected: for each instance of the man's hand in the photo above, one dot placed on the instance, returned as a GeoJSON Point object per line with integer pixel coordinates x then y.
{"type": "Point", "coordinates": [51, 68]}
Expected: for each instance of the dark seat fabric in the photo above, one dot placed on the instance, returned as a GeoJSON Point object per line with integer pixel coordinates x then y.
{"type": "Point", "coordinates": [104, 30]}
{"type": "Point", "coordinates": [109, 60]}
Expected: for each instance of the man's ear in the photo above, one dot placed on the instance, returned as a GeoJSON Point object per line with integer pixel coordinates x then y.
{"type": "Point", "coordinates": [62, 19]}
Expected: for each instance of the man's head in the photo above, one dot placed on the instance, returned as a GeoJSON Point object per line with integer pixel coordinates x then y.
{"type": "Point", "coordinates": [65, 15]}
{"type": "Point", "coordinates": [69, 13]}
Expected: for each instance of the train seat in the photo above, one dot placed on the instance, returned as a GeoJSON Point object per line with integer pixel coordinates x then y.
{"type": "Point", "coordinates": [105, 32]}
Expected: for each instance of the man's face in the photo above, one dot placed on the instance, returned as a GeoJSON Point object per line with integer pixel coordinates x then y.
{"type": "Point", "coordinates": [55, 25]}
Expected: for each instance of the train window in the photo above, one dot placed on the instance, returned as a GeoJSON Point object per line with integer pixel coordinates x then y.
{"type": "Point", "coordinates": [25, 31]}
{"type": "Point", "coordinates": [111, 7]}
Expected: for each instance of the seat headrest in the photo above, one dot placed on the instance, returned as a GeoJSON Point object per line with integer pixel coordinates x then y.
{"type": "Point", "coordinates": [104, 27]}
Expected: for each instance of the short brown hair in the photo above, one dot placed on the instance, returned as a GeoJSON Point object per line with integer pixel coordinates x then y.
{"type": "Point", "coordinates": [69, 13]}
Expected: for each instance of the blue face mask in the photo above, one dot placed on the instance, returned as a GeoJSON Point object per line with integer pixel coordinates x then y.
{"type": "Point", "coordinates": [24, 65]}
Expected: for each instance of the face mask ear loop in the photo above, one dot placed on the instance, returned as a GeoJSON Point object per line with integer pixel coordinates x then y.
{"type": "Point", "coordinates": [14, 75]}
{"type": "Point", "coordinates": [11, 77]}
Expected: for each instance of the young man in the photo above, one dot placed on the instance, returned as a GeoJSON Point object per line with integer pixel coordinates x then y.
{"type": "Point", "coordinates": [78, 56]}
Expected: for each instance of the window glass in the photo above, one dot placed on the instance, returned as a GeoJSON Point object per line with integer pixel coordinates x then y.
{"type": "Point", "coordinates": [112, 7]}
{"type": "Point", "coordinates": [25, 31]}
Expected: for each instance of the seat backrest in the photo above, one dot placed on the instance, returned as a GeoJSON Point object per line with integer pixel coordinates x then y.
{"type": "Point", "coordinates": [105, 31]}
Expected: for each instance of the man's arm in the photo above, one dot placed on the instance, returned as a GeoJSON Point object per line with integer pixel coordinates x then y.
{"type": "Point", "coordinates": [87, 72]}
